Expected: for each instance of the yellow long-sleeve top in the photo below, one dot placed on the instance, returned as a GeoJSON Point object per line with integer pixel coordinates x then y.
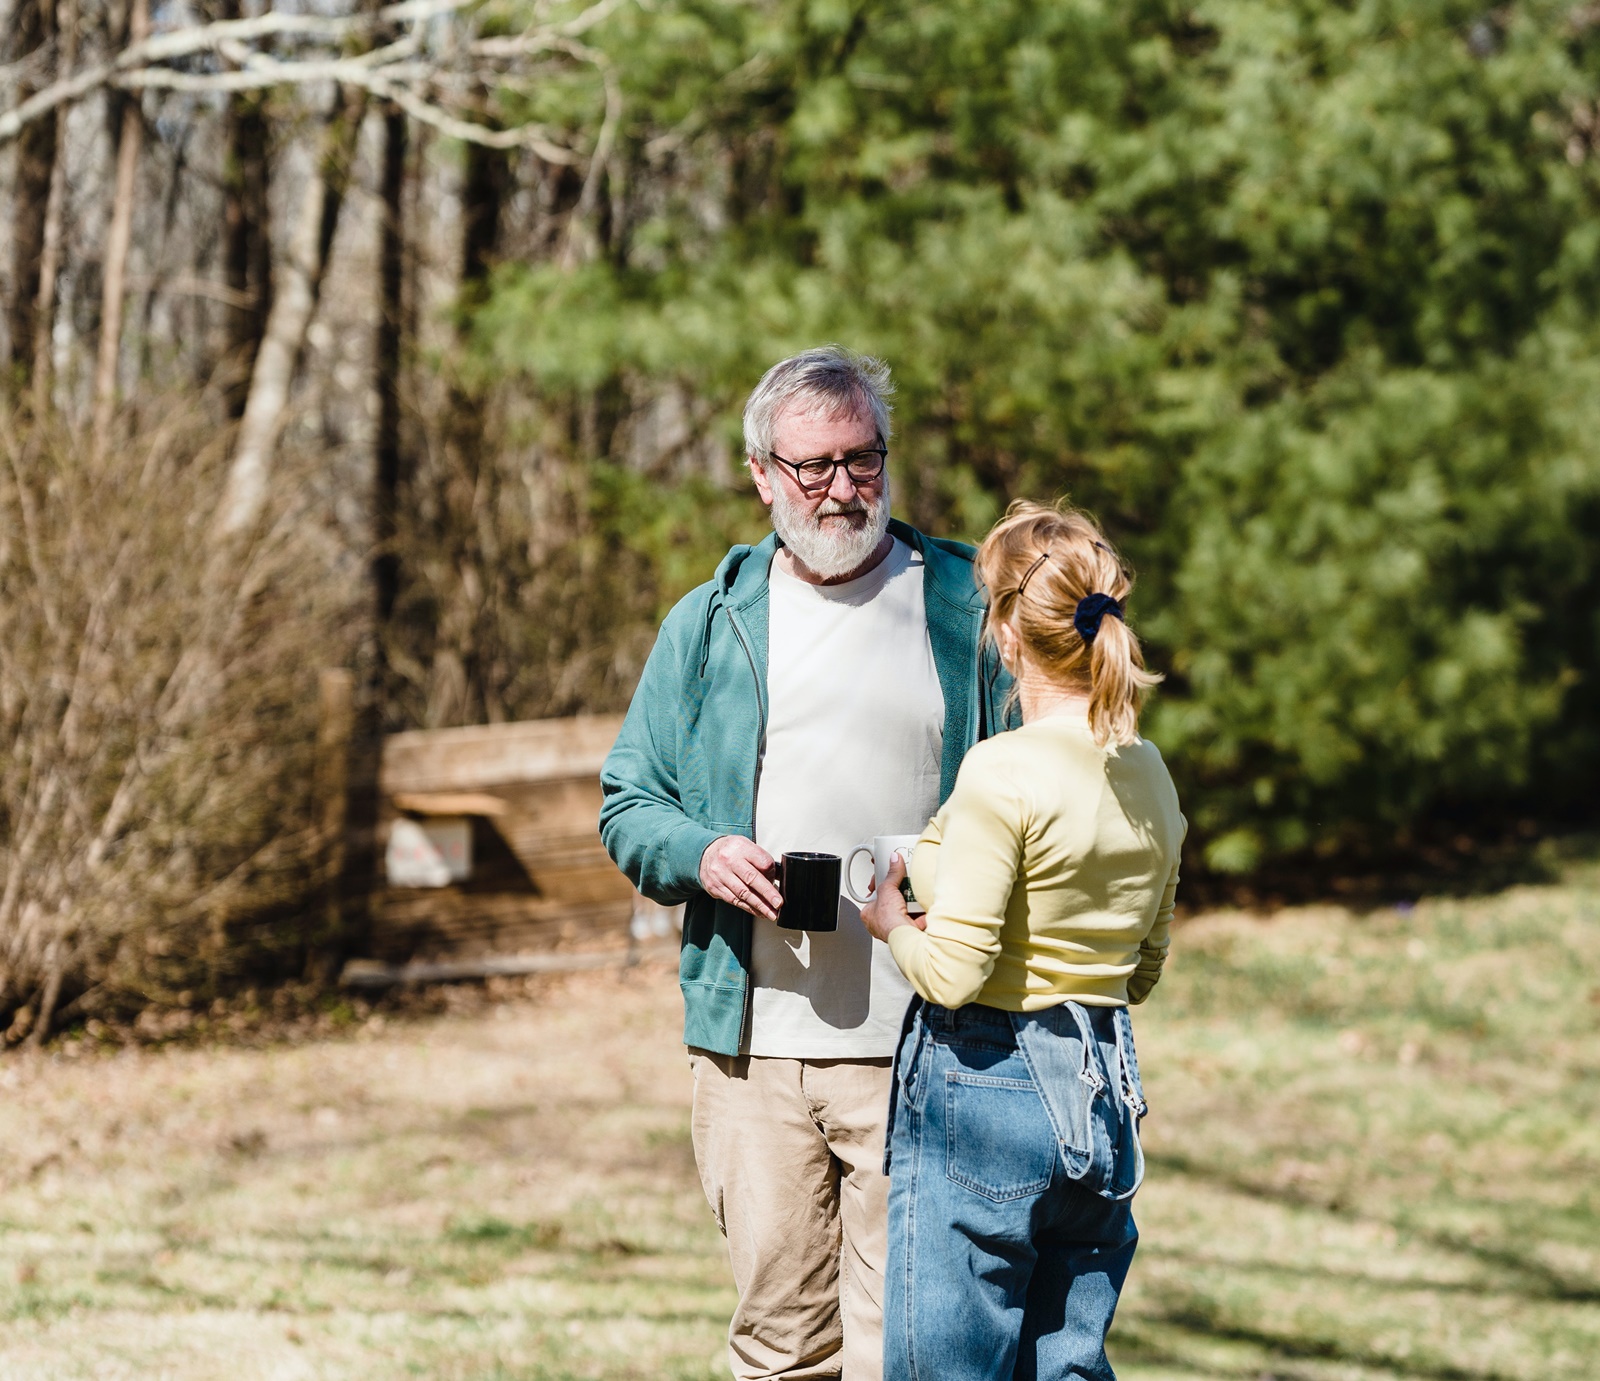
{"type": "Point", "coordinates": [1048, 875]}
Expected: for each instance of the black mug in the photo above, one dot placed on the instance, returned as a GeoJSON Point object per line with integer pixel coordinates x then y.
{"type": "Point", "coordinates": [810, 886]}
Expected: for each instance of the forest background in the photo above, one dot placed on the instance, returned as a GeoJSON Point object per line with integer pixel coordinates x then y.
{"type": "Point", "coordinates": [413, 340]}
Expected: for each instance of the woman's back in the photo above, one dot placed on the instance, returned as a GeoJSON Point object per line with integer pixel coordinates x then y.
{"type": "Point", "coordinates": [1048, 875]}
{"type": "Point", "coordinates": [1048, 878]}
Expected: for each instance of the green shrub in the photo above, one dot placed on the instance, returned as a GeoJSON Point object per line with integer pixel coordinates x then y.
{"type": "Point", "coordinates": [1300, 299]}
{"type": "Point", "coordinates": [1381, 610]}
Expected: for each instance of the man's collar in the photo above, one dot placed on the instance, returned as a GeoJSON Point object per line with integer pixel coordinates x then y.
{"type": "Point", "coordinates": [948, 572]}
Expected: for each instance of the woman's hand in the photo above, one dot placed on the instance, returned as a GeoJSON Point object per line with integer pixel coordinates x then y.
{"type": "Point", "coordinates": [887, 909]}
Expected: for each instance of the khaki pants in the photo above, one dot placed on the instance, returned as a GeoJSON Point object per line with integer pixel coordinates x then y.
{"type": "Point", "coordinates": [791, 1156]}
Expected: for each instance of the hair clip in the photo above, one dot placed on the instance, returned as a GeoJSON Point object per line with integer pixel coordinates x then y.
{"type": "Point", "coordinates": [1028, 574]}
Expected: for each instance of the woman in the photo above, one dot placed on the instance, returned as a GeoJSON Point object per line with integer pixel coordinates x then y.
{"type": "Point", "coordinates": [1048, 877]}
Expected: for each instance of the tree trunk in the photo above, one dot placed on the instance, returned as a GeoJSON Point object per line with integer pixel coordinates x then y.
{"type": "Point", "coordinates": [483, 194]}
{"type": "Point", "coordinates": [470, 480]}
{"type": "Point", "coordinates": [119, 239]}
{"type": "Point", "coordinates": [54, 221]}
{"type": "Point", "coordinates": [247, 233]}
{"type": "Point", "coordinates": [33, 25]}
{"type": "Point", "coordinates": [391, 269]}
{"type": "Point", "coordinates": [484, 190]}
{"type": "Point", "coordinates": [293, 306]}
{"type": "Point", "coordinates": [336, 723]}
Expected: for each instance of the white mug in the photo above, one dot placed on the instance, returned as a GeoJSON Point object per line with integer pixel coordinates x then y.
{"type": "Point", "coordinates": [882, 849]}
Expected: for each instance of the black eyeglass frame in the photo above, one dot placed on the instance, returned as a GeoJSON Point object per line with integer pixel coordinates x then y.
{"type": "Point", "coordinates": [880, 450]}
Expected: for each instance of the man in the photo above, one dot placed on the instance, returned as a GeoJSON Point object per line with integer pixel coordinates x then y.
{"type": "Point", "coordinates": [820, 690]}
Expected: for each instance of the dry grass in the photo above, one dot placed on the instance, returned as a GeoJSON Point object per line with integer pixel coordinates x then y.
{"type": "Point", "coordinates": [1375, 1148]}
{"type": "Point", "coordinates": [509, 1193]}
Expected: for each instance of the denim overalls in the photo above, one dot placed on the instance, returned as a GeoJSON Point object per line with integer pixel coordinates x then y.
{"type": "Point", "coordinates": [1013, 1151]}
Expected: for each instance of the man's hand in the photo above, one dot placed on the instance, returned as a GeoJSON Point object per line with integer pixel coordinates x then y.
{"type": "Point", "coordinates": [887, 909]}
{"type": "Point", "coordinates": [738, 870]}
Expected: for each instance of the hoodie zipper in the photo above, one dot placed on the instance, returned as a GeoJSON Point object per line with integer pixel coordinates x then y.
{"type": "Point", "coordinates": [755, 787]}
{"type": "Point", "coordinates": [761, 712]}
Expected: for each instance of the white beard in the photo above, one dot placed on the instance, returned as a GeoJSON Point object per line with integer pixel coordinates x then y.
{"type": "Point", "coordinates": [825, 545]}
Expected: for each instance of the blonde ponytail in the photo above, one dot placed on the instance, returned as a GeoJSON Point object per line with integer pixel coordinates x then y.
{"type": "Point", "coordinates": [1044, 568]}
{"type": "Point", "coordinates": [1117, 683]}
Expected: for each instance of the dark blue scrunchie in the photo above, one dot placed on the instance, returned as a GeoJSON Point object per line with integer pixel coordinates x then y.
{"type": "Point", "coordinates": [1090, 611]}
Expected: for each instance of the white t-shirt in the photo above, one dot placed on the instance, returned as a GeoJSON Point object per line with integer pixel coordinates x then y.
{"type": "Point", "coordinates": [855, 737]}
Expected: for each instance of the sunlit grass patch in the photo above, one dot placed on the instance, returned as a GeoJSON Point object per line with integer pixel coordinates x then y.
{"type": "Point", "coordinates": [1375, 1144]}
{"type": "Point", "coordinates": [1374, 1153]}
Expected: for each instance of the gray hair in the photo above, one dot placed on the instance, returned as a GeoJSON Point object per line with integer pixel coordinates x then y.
{"type": "Point", "coordinates": [828, 379]}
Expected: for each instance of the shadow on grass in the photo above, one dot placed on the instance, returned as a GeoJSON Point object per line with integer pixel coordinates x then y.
{"type": "Point", "coordinates": [1214, 1265]}
{"type": "Point", "coordinates": [1130, 1344]}
{"type": "Point", "coordinates": [1199, 1318]}
{"type": "Point", "coordinates": [1539, 1281]}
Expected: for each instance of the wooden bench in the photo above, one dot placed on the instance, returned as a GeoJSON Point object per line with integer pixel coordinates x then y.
{"type": "Point", "coordinates": [541, 884]}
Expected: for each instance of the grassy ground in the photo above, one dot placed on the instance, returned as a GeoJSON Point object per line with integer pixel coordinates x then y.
{"type": "Point", "coordinates": [1375, 1152]}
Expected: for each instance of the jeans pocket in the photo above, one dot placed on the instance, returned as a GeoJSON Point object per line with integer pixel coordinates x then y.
{"type": "Point", "coordinates": [998, 1139]}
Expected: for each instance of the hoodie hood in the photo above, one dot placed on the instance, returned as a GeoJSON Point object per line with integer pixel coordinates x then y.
{"type": "Point", "coordinates": [741, 575]}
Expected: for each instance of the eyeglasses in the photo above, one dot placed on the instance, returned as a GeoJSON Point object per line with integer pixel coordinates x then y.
{"type": "Point", "coordinates": [812, 475]}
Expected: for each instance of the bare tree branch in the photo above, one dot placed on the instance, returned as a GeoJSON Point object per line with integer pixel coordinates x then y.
{"type": "Point", "coordinates": [43, 102]}
{"type": "Point", "coordinates": [537, 39]}
{"type": "Point", "coordinates": [189, 285]}
{"type": "Point", "coordinates": [600, 161]}
{"type": "Point", "coordinates": [522, 136]}
{"type": "Point", "coordinates": [203, 38]}
{"type": "Point", "coordinates": [136, 69]}
{"type": "Point", "coordinates": [267, 72]}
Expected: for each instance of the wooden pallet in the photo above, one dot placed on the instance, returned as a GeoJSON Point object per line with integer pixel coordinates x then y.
{"type": "Point", "coordinates": [541, 881]}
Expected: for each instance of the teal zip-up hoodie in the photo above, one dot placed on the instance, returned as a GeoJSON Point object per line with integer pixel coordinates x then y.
{"type": "Point", "coordinates": [684, 769]}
